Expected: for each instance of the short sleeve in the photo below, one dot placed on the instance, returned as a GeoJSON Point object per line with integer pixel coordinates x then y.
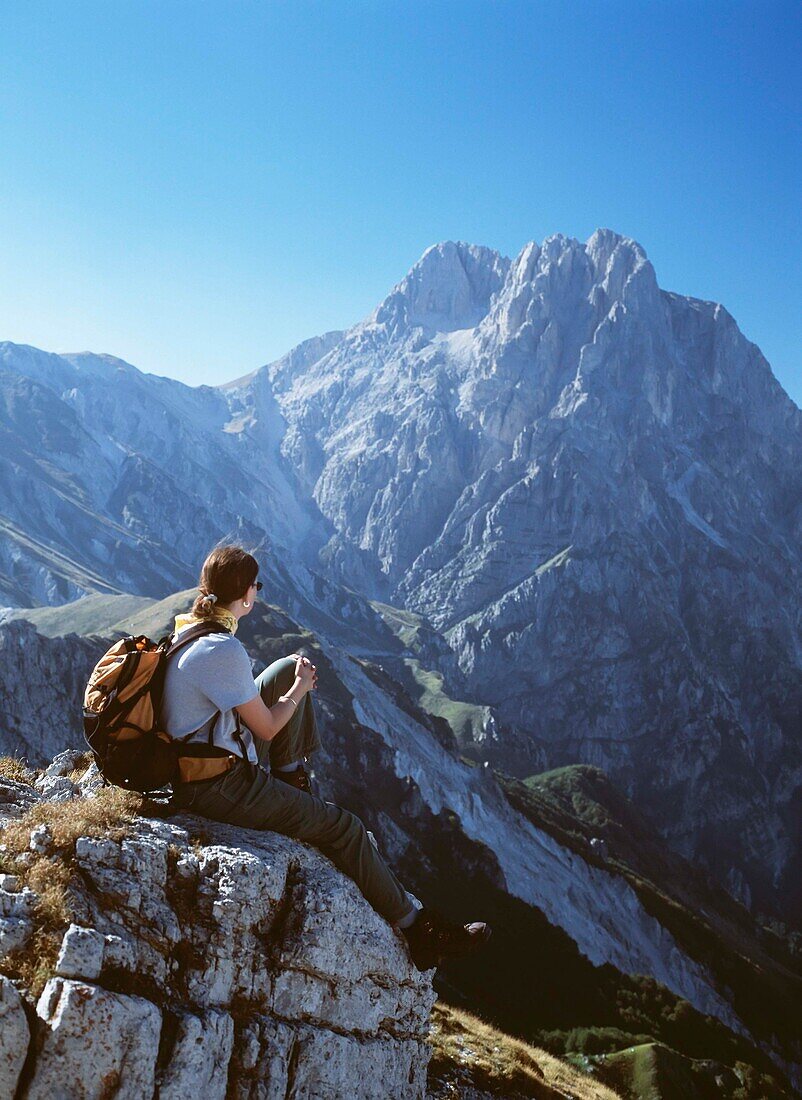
{"type": "Point", "coordinates": [226, 676]}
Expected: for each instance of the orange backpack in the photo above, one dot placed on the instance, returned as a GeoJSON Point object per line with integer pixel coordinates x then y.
{"type": "Point", "coordinates": [121, 717]}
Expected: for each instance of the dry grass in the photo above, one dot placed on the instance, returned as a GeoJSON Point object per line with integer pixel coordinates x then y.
{"type": "Point", "coordinates": [50, 879]}
{"type": "Point", "coordinates": [467, 1052]}
{"type": "Point", "coordinates": [33, 964]}
{"type": "Point", "coordinates": [16, 769]}
{"type": "Point", "coordinates": [50, 876]}
{"type": "Point", "coordinates": [107, 814]}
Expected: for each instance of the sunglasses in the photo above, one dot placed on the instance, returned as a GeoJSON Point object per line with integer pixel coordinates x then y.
{"type": "Point", "coordinates": [258, 585]}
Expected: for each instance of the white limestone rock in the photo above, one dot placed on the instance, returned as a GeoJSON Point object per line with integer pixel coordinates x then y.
{"type": "Point", "coordinates": [363, 1007]}
{"type": "Point", "coordinates": [198, 1062]}
{"type": "Point", "coordinates": [17, 903]}
{"type": "Point", "coordinates": [15, 1036]}
{"type": "Point", "coordinates": [91, 780]}
{"type": "Point", "coordinates": [16, 797]}
{"type": "Point", "coordinates": [119, 952]}
{"type": "Point", "coordinates": [94, 1043]}
{"type": "Point", "coordinates": [14, 934]}
{"type": "Point", "coordinates": [175, 940]}
{"type": "Point", "coordinates": [81, 954]}
{"type": "Point", "coordinates": [62, 764]}
{"type": "Point", "coordinates": [58, 788]}
{"type": "Point", "coordinates": [275, 1059]}
{"type": "Point", "coordinates": [41, 840]}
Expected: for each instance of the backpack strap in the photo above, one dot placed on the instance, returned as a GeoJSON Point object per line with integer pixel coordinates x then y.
{"type": "Point", "coordinates": [199, 630]}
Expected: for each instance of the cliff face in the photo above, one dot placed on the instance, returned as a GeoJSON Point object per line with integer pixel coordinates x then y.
{"type": "Point", "coordinates": [594, 491]}
{"type": "Point", "coordinates": [42, 681]}
{"type": "Point", "coordinates": [217, 963]}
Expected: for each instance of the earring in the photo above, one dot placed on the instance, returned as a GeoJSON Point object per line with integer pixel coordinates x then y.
{"type": "Point", "coordinates": [245, 603]}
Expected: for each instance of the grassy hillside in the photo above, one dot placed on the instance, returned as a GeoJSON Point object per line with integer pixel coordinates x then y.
{"type": "Point", "coordinates": [97, 614]}
{"type": "Point", "coordinates": [470, 1057]}
{"type": "Point", "coordinates": [651, 1071]}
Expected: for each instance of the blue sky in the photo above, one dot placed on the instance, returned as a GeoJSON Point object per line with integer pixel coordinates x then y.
{"type": "Point", "coordinates": [196, 187]}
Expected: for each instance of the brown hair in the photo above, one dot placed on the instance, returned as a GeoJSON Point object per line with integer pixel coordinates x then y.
{"type": "Point", "coordinates": [227, 572]}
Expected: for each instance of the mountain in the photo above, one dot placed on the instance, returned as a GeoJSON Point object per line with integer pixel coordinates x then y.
{"type": "Point", "coordinates": [594, 492]}
{"type": "Point", "coordinates": [588, 491]}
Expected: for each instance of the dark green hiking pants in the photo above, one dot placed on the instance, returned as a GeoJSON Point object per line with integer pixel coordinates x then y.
{"type": "Point", "coordinates": [258, 801]}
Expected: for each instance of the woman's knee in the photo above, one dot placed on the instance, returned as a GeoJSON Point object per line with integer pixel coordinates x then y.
{"type": "Point", "coordinates": [280, 673]}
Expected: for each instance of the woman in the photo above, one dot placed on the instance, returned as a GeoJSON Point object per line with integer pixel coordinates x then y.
{"type": "Point", "coordinates": [209, 687]}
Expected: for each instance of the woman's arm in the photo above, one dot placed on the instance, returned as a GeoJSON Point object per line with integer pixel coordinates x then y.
{"type": "Point", "coordinates": [266, 722]}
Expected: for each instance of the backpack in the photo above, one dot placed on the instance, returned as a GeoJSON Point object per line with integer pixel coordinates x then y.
{"type": "Point", "coordinates": [121, 724]}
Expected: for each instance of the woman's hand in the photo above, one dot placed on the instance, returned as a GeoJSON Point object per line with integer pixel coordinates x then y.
{"type": "Point", "coordinates": [306, 672]}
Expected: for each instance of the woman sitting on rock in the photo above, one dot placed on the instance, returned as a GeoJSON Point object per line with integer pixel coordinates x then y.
{"type": "Point", "coordinates": [268, 787]}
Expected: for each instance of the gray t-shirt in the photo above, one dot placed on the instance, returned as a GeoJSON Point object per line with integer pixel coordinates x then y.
{"type": "Point", "coordinates": [213, 672]}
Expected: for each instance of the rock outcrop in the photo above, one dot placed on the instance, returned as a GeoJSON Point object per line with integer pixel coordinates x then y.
{"type": "Point", "coordinates": [200, 960]}
{"type": "Point", "coordinates": [42, 680]}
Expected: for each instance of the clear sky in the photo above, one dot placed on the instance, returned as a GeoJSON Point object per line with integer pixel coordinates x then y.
{"type": "Point", "coordinates": [198, 186]}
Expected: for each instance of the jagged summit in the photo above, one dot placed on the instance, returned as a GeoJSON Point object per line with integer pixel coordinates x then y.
{"type": "Point", "coordinates": [456, 285]}
{"type": "Point", "coordinates": [605, 241]}
{"type": "Point", "coordinates": [449, 288]}
{"type": "Point", "coordinates": [600, 271]}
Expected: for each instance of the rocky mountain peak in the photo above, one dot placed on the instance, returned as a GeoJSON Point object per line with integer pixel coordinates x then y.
{"type": "Point", "coordinates": [603, 243]}
{"type": "Point", "coordinates": [620, 265]}
{"type": "Point", "coordinates": [590, 485]}
{"type": "Point", "coordinates": [574, 285]}
{"type": "Point", "coordinates": [449, 288]}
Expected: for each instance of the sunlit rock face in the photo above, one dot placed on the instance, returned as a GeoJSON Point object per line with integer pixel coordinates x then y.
{"type": "Point", "coordinates": [594, 490]}
{"type": "Point", "coordinates": [241, 965]}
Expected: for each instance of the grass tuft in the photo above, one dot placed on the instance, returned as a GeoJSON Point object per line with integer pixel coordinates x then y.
{"type": "Point", "coordinates": [108, 813]}
{"type": "Point", "coordinates": [16, 769]}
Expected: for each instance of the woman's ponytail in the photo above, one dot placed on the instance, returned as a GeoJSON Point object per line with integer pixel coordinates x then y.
{"type": "Point", "coordinates": [226, 575]}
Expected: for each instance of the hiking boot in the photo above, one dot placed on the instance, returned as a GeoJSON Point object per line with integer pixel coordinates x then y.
{"type": "Point", "coordinates": [432, 938]}
{"type": "Point", "coordinates": [299, 778]}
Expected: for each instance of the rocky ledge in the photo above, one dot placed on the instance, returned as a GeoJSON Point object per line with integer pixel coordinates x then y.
{"type": "Point", "coordinates": [189, 958]}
